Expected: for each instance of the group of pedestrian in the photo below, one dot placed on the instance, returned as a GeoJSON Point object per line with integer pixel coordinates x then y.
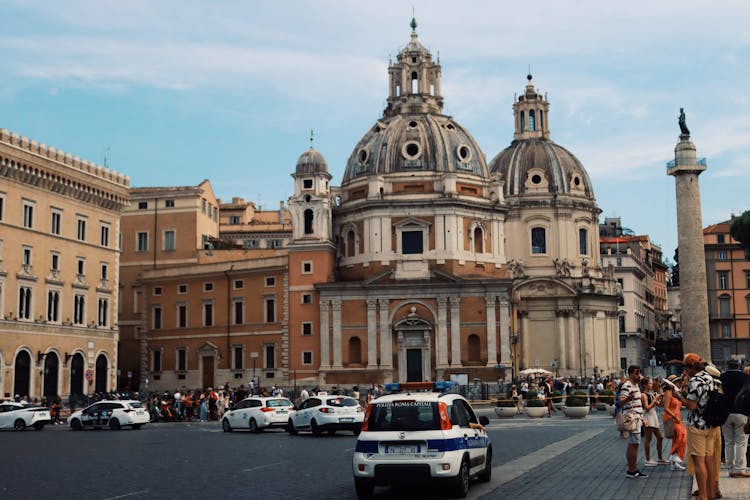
{"type": "Point", "coordinates": [696, 444]}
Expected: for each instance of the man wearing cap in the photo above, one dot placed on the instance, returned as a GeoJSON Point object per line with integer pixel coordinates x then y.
{"type": "Point", "coordinates": [701, 437]}
{"type": "Point", "coordinates": [735, 439]}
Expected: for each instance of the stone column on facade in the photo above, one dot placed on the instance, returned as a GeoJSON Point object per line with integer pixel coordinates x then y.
{"type": "Point", "coordinates": [372, 341]}
{"type": "Point", "coordinates": [441, 344]}
{"type": "Point", "coordinates": [693, 284]}
{"type": "Point", "coordinates": [505, 352]}
{"type": "Point", "coordinates": [525, 359]}
{"type": "Point", "coordinates": [490, 301]}
{"type": "Point", "coordinates": [386, 344]}
{"type": "Point", "coordinates": [337, 340]}
{"type": "Point", "coordinates": [455, 331]}
{"type": "Point", "coordinates": [325, 358]}
{"type": "Point", "coordinates": [562, 359]}
{"type": "Point", "coordinates": [386, 241]}
{"type": "Point", "coordinates": [573, 344]}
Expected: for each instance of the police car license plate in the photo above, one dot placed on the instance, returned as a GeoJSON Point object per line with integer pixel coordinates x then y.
{"type": "Point", "coordinates": [281, 411]}
{"type": "Point", "coordinates": [346, 420]}
{"type": "Point", "coordinates": [402, 449]}
{"type": "Point", "coordinates": [139, 412]}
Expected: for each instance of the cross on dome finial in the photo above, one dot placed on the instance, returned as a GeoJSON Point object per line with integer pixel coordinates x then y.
{"type": "Point", "coordinates": [311, 138]}
{"type": "Point", "coordinates": [413, 23]}
{"type": "Point", "coordinates": [529, 77]}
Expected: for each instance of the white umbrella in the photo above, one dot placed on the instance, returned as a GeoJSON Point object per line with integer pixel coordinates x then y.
{"type": "Point", "coordinates": [534, 371]}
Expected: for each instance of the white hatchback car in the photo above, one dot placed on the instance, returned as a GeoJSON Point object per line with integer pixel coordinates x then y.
{"type": "Point", "coordinates": [412, 436]}
{"type": "Point", "coordinates": [257, 413]}
{"type": "Point", "coordinates": [19, 416]}
{"type": "Point", "coordinates": [113, 414]}
{"type": "Point", "coordinates": [324, 413]}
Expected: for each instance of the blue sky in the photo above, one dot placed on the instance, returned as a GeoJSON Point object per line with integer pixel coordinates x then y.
{"type": "Point", "coordinates": [173, 92]}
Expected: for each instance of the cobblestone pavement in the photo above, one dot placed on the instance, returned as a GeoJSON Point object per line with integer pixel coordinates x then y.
{"type": "Point", "coordinates": [586, 461]}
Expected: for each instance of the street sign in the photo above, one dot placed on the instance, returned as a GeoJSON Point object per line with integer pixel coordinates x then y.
{"type": "Point", "coordinates": [253, 354]}
{"type": "Point", "coordinates": [89, 375]}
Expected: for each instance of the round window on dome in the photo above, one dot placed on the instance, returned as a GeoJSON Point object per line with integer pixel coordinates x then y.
{"type": "Point", "coordinates": [411, 150]}
{"type": "Point", "coordinates": [577, 181]}
{"type": "Point", "coordinates": [464, 153]}
{"type": "Point", "coordinates": [362, 156]}
{"type": "Point", "coordinates": [536, 179]}
{"type": "Point", "coordinates": [450, 126]}
{"type": "Point", "coordinates": [412, 124]}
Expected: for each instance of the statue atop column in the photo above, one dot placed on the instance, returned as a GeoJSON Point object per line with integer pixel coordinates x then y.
{"type": "Point", "coordinates": [684, 131]}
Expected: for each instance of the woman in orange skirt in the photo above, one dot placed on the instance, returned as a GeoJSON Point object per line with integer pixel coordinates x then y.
{"type": "Point", "coordinates": [672, 413]}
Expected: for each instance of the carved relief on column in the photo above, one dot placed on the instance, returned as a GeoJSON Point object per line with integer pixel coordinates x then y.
{"type": "Point", "coordinates": [490, 301]}
{"type": "Point", "coordinates": [372, 341]}
{"type": "Point", "coordinates": [325, 359]}
{"type": "Point", "coordinates": [455, 331]}
{"type": "Point", "coordinates": [441, 342]}
{"type": "Point", "coordinates": [386, 347]}
{"type": "Point", "coordinates": [505, 351]}
{"type": "Point", "coordinates": [337, 333]}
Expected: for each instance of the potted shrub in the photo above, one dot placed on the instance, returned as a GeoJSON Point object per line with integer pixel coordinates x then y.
{"type": "Point", "coordinates": [506, 408]}
{"type": "Point", "coordinates": [534, 406]}
{"type": "Point", "coordinates": [607, 396]}
{"type": "Point", "coordinates": [576, 405]}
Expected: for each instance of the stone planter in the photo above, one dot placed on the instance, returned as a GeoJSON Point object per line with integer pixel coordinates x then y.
{"type": "Point", "coordinates": [576, 411]}
{"type": "Point", "coordinates": [505, 412]}
{"type": "Point", "coordinates": [611, 410]}
{"type": "Point", "coordinates": [536, 411]}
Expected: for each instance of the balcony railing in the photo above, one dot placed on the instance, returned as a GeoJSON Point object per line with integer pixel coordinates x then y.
{"type": "Point", "coordinates": [700, 161]}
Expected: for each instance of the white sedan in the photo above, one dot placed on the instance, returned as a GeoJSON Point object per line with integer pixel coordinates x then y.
{"type": "Point", "coordinates": [257, 413]}
{"type": "Point", "coordinates": [324, 413]}
{"type": "Point", "coordinates": [113, 414]}
{"type": "Point", "coordinates": [19, 416]}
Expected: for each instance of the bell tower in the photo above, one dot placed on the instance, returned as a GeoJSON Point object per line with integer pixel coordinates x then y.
{"type": "Point", "coordinates": [310, 206]}
{"type": "Point", "coordinates": [414, 80]}
{"type": "Point", "coordinates": [531, 114]}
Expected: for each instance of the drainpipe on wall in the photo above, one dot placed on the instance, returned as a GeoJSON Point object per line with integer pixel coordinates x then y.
{"type": "Point", "coordinates": [156, 226]}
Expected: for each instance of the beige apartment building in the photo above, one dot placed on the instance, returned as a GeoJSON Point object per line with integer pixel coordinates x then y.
{"type": "Point", "coordinates": [59, 265]}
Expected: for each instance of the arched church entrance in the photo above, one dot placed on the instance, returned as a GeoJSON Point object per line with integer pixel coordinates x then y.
{"type": "Point", "coordinates": [22, 374]}
{"type": "Point", "coordinates": [414, 348]}
{"type": "Point", "coordinates": [51, 376]}
{"type": "Point", "coordinates": [76, 375]}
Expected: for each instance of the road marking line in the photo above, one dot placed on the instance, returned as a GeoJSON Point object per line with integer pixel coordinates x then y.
{"type": "Point", "coordinates": [262, 466]}
{"type": "Point", "coordinates": [127, 495]}
{"type": "Point", "coordinates": [350, 449]}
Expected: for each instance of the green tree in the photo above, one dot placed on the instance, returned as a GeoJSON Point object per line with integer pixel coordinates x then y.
{"type": "Point", "coordinates": [740, 231]}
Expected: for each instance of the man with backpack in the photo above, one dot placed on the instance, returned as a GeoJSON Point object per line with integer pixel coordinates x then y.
{"type": "Point", "coordinates": [735, 439]}
{"type": "Point", "coordinates": [700, 435]}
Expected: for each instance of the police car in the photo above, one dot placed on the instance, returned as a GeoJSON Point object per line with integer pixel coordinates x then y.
{"type": "Point", "coordinates": [113, 414]}
{"type": "Point", "coordinates": [415, 435]}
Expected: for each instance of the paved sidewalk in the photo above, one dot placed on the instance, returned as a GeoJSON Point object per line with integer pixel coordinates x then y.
{"type": "Point", "coordinates": [591, 465]}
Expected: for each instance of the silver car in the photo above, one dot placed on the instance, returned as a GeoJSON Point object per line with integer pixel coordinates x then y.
{"type": "Point", "coordinates": [257, 413]}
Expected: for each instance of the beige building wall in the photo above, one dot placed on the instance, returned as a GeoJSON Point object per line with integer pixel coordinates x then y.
{"type": "Point", "coordinates": [59, 270]}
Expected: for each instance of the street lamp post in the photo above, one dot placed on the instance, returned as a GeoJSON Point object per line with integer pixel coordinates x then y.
{"type": "Point", "coordinates": [254, 356]}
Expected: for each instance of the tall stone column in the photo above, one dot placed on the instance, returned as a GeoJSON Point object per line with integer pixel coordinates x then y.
{"type": "Point", "coordinates": [693, 289]}
{"type": "Point", "coordinates": [490, 301]}
{"type": "Point", "coordinates": [372, 342]}
{"type": "Point", "coordinates": [562, 358]}
{"type": "Point", "coordinates": [325, 358]}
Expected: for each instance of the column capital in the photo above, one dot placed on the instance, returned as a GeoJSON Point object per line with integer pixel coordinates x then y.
{"type": "Point", "coordinates": [371, 304]}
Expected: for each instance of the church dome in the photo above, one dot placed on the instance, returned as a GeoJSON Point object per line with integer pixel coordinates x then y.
{"type": "Point", "coordinates": [416, 143]}
{"type": "Point", "coordinates": [414, 136]}
{"type": "Point", "coordinates": [311, 162]}
{"type": "Point", "coordinates": [533, 163]}
{"type": "Point", "coordinates": [538, 166]}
